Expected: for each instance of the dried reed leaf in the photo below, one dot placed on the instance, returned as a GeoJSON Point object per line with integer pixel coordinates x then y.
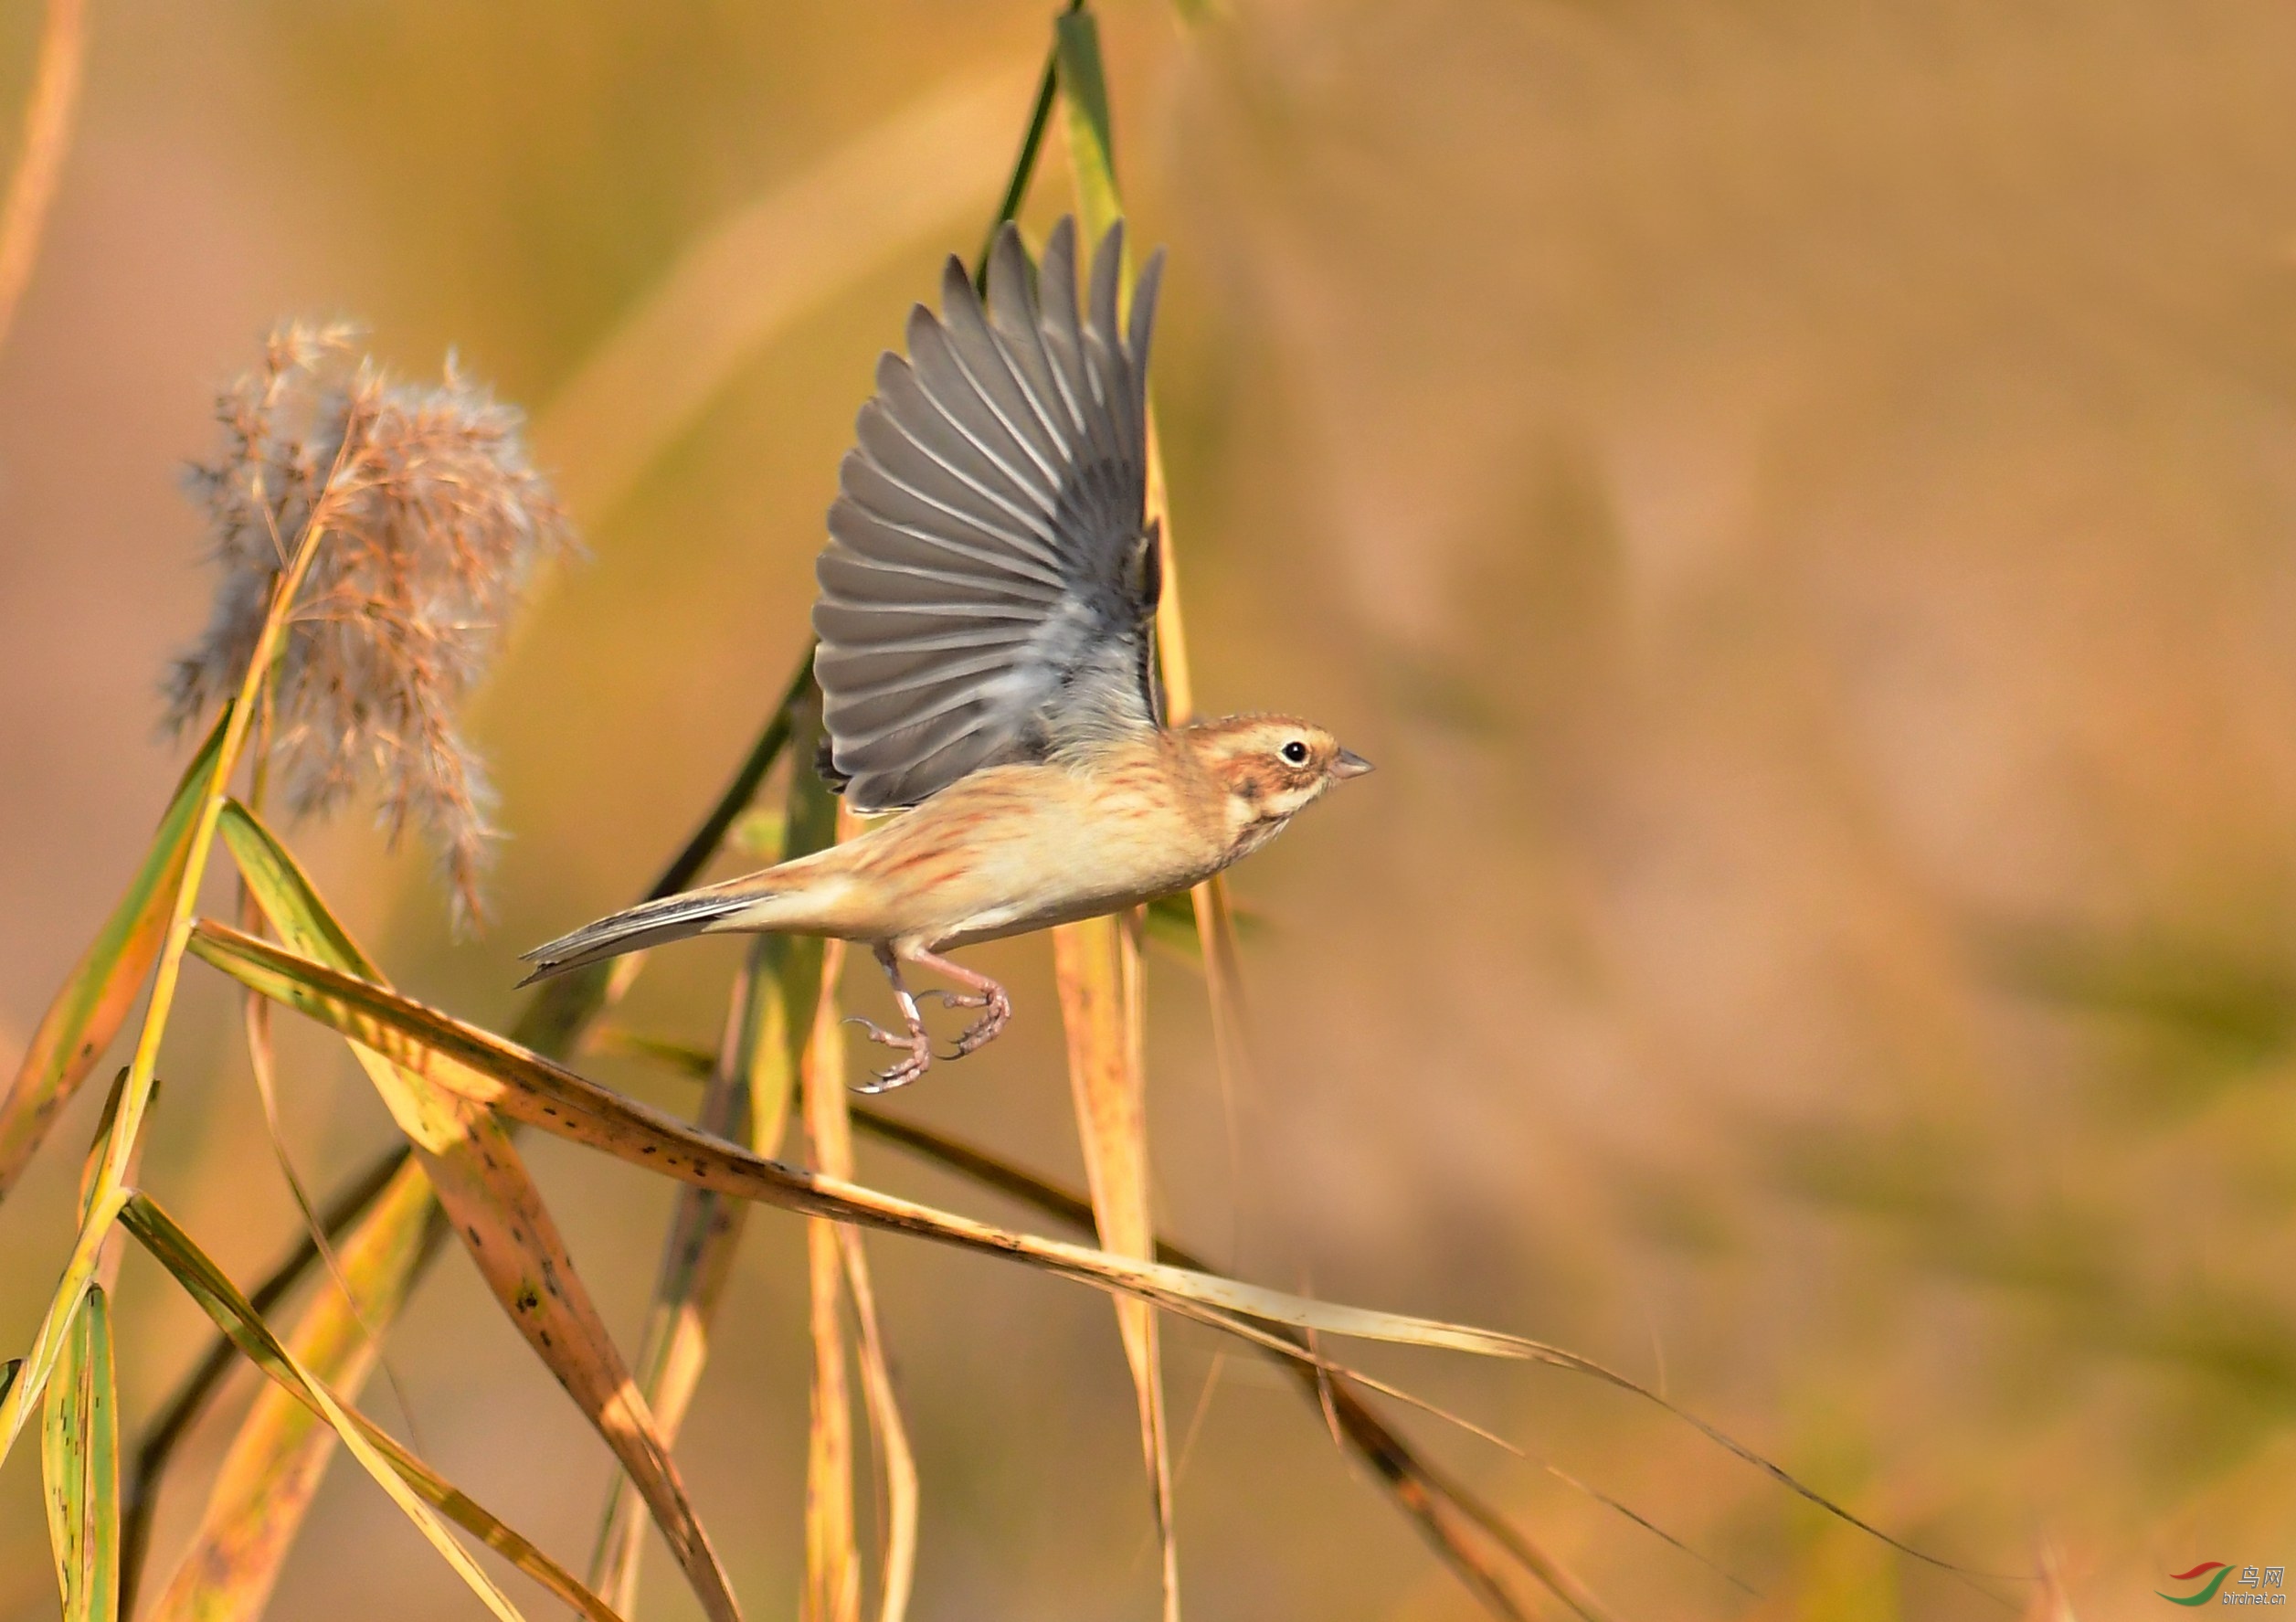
{"type": "Point", "coordinates": [1446, 1513]}
{"type": "Point", "coordinates": [1440, 1509]}
{"type": "Point", "coordinates": [484, 1185]}
{"type": "Point", "coordinates": [1092, 160]}
{"type": "Point", "coordinates": [478, 1066]}
{"type": "Point", "coordinates": [410, 1484]}
{"type": "Point", "coordinates": [750, 1083]}
{"type": "Point", "coordinates": [276, 1460]}
{"type": "Point", "coordinates": [832, 1554]}
{"type": "Point", "coordinates": [89, 1009]}
{"type": "Point", "coordinates": [696, 1260]}
{"type": "Point", "coordinates": [1098, 966]}
{"type": "Point", "coordinates": [838, 1268]}
{"type": "Point", "coordinates": [172, 1421]}
{"type": "Point", "coordinates": [897, 1459]}
{"type": "Point", "coordinates": [1097, 962]}
{"type": "Point", "coordinates": [79, 1466]}
{"type": "Point", "coordinates": [551, 1021]}
{"type": "Point", "coordinates": [487, 1069]}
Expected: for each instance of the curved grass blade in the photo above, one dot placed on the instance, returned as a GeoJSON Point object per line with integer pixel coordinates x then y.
{"type": "Point", "coordinates": [696, 1261]}
{"type": "Point", "coordinates": [551, 1021]}
{"type": "Point", "coordinates": [832, 1552]}
{"type": "Point", "coordinates": [897, 1459]}
{"type": "Point", "coordinates": [412, 1485]}
{"type": "Point", "coordinates": [749, 1085]}
{"type": "Point", "coordinates": [1435, 1505]}
{"type": "Point", "coordinates": [1099, 202]}
{"type": "Point", "coordinates": [348, 1208]}
{"type": "Point", "coordinates": [487, 1069]}
{"type": "Point", "coordinates": [273, 1467]}
{"type": "Point", "coordinates": [1097, 962]}
{"type": "Point", "coordinates": [79, 1466]}
{"type": "Point", "coordinates": [482, 1183]}
{"type": "Point", "coordinates": [89, 1008]}
{"type": "Point", "coordinates": [1092, 157]}
{"type": "Point", "coordinates": [1097, 965]}
{"type": "Point", "coordinates": [1442, 1509]}
{"type": "Point", "coordinates": [839, 1270]}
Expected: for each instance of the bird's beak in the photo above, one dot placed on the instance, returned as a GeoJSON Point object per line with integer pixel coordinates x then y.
{"type": "Point", "coordinates": [1348, 764]}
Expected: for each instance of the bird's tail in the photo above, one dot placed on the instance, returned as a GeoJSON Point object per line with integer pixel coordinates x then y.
{"type": "Point", "coordinates": [649, 923]}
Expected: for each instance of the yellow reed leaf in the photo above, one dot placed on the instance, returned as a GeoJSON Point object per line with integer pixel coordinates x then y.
{"type": "Point", "coordinates": [751, 1080]}
{"type": "Point", "coordinates": [87, 1009]}
{"type": "Point", "coordinates": [832, 1555]}
{"type": "Point", "coordinates": [276, 1460]}
{"type": "Point", "coordinates": [412, 1485]}
{"type": "Point", "coordinates": [491, 1199]}
{"type": "Point", "coordinates": [1098, 966]}
{"type": "Point", "coordinates": [487, 1069]}
{"type": "Point", "coordinates": [1097, 962]}
{"type": "Point", "coordinates": [479, 1066]}
{"type": "Point", "coordinates": [838, 1268]}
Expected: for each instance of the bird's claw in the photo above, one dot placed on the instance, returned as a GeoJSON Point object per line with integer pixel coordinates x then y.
{"type": "Point", "coordinates": [984, 1029]}
{"type": "Point", "coordinates": [918, 1045]}
{"type": "Point", "coordinates": [900, 1075]}
{"type": "Point", "coordinates": [920, 1050]}
{"type": "Point", "coordinates": [877, 1033]}
{"type": "Point", "coordinates": [954, 998]}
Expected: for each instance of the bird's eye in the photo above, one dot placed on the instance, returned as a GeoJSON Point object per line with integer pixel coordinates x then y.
{"type": "Point", "coordinates": [1296, 752]}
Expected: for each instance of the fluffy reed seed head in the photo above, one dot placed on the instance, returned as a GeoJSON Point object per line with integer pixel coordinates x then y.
{"type": "Point", "coordinates": [430, 521]}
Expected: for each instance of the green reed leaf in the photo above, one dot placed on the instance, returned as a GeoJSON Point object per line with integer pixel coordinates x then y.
{"type": "Point", "coordinates": [93, 1002]}
{"type": "Point", "coordinates": [80, 1466]}
{"type": "Point", "coordinates": [412, 1488]}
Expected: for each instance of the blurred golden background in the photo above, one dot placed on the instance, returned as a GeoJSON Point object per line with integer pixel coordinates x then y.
{"type": "Point", "coordinates": [1795, 498]}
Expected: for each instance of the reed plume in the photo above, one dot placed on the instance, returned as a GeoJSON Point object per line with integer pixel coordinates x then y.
{"type": "Point", "coordinates": [429, 519]}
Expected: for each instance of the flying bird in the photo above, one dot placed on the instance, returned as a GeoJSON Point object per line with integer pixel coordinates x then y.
{"type": "Point", "coordinates": [986, 661]}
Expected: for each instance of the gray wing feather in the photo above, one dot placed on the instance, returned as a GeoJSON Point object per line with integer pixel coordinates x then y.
{"type": "Point", "coordinates": [996, 375]}
{"type": "Point", "coordinates": [989, 590]}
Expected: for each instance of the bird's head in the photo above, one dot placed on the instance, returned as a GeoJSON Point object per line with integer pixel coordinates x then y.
{"type": "Point", "coordinates": [1269, 768]}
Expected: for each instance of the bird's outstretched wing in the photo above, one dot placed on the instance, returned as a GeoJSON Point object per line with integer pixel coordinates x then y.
{"type": "Point", "coordinates": [988, 588]}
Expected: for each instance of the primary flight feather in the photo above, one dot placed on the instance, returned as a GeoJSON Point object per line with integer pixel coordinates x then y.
{"type": "Point", "coordinates": [987, 659]}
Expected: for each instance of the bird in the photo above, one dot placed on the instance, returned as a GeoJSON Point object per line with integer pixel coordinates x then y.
{"type": "Point", "coordinates": [985, 655]}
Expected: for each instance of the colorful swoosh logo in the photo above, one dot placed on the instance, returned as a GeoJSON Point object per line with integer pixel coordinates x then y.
{"type": "Point", "coordinates": [2206, 1594]}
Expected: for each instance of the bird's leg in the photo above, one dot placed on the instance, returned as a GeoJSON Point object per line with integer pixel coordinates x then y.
{"type": "Point", "coordinates": [919, 1044]}
{"type": "Point", "coordinates": [986, 993]}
